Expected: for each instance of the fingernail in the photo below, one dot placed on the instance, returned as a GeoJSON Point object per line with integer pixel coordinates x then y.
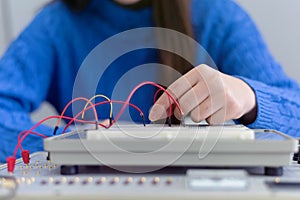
{"type": "Point", "coordinates": [157, 112]}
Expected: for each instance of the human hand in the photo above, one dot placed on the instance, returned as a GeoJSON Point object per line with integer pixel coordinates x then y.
{"type": "Point", "coordinates": [207, 94]}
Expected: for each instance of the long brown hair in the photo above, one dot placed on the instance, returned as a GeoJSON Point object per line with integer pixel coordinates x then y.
{"type": "Point", "coordinates": [175, 15]}
{"type": "Point", "coordinates": [170, 14]}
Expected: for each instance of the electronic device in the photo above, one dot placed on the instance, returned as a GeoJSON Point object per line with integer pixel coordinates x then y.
{"type": "Point", "coordinates": [41, 179]}
{"type": "Point", "coordinates": [217, 162]}
{"type": "Point", "coordinates": [155, 146]}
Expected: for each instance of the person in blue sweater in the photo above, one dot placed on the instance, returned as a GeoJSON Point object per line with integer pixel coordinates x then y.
{"type": "Point", "coordinates": [42, 63]}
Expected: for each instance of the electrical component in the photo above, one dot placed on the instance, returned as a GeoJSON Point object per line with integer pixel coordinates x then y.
{"type": "Point", "coordinates": [11, 162]}
{"type": "Point", "coordinates": [101, 103]}
{"type": "Point", "coordinates": [25, 153]}
{"type": "Point", "coordinates": [25, 156]}
{"type": "Point", "coordinates": [105, 97]}
{"type": "Point", "coordinates": [71, 102]}
{"type": "Point", "coordinates": [41, 180]}
{"type": "Point", "coordinates": [55, 130]}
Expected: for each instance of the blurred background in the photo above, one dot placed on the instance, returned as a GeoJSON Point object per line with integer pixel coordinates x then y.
{"type": "Point", "coordinates": [277, 21]}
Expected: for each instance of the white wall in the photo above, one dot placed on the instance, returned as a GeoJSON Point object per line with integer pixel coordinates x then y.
{"type": "Point", "coordinates": [2, 40]}
{"type": "Point", "coordinates": [22, 12]}
{"type": "Point", "coordinates": [279, 22]}
{"type": "Point", "coordinates": [17, 14]}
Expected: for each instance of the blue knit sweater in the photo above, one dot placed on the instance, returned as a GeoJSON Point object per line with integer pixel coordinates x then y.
{"type": "Point", "coordinates": [41, 64]}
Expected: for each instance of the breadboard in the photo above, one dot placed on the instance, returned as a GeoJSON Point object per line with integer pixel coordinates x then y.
{"type": "Point", "coordinates": [156, 146]}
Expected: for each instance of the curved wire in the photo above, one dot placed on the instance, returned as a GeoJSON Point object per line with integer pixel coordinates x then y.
{"type": "Point", "coordinates": [71, 102]}
{"type": "Point", "coordinates": [96, 96]}
{"type": "Point", "coordinates": [106, 102]}
{"type": "Point", "coordinates": [149, 83]}
{"type": "Point", "coordinates": [30, 131]}
{"type": "Point", "coordinates": [20, 140]}
{"type": "Point", "coordinates": [126, 103]}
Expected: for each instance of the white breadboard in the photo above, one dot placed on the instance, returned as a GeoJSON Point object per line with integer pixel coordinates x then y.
{"type": "Point", "coordinates": [157, 145]}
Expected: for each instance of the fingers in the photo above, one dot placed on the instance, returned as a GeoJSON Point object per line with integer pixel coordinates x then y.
{"type": "Point", "coordinates": [199, 75]}
{"type": "Point", "coordinates": [177, 89]}
{"type": "Point", "coordinates": [218, 117]}
{"type": "Point", "coordinates": [207, 94]}
{"type": "Point", "coordinates": [207, 108]}
{"type": "Point", "coordinates": [195, 96]}
{"type": "Point", "coordinates": [216, 111]}
{"type": "Point", "coordinates": [158, 111]}
{"type": "Point", "coordinates": [190, 90]}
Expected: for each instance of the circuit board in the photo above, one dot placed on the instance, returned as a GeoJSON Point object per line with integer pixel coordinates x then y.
{"type": "Point", "coordinates": [129, 162]}
{"type": "Point", "coordinates": [156, 147]}
{"type": "Point", "coordinates": [41, 179]}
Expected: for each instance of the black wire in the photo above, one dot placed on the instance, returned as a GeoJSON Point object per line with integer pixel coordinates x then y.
{"type": "Point", "coordinates": [55, 130]}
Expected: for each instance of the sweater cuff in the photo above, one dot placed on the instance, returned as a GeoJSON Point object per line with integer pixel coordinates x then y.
{"type": "Point", "coordinates": [265, 108]}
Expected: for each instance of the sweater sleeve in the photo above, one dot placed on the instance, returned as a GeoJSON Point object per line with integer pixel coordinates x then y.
{"type": "Point", "coordinates": [25, 75]}
{"type": "Point", "coordinates": [244, 54]}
